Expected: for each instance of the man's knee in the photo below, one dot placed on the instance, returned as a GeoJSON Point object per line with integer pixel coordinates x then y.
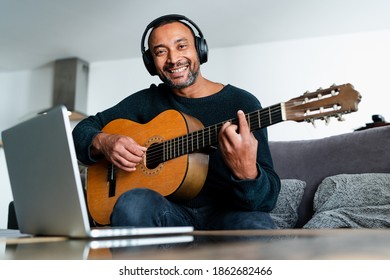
{"type": "Point", "coordinates": [138, 196]}
{"type": "Point", "coordinates": [136, 206]}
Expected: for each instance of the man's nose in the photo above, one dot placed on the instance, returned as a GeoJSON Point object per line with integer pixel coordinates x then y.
{"type": "Point", "coordinates": [173, 57]}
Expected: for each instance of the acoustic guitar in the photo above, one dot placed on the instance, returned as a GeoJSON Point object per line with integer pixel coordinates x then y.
{"type": "Point", "coordinates": [176, 165]}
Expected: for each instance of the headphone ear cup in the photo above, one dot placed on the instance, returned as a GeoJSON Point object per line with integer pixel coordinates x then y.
{"type": "Point", "coordinates": [149, 63]}
{"type": "Point", "coordinates": [202, 49]}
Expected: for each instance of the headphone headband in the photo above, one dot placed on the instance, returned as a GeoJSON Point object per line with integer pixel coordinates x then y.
{"type": "Point", "coordinates": [200, 42]}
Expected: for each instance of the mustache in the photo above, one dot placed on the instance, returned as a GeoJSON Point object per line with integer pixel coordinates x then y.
{"type": "Point", "coordinates": [169, 66]}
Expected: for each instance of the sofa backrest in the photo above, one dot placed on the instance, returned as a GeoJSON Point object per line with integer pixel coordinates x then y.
{"type": "Point", "coordinates": [366, 151]}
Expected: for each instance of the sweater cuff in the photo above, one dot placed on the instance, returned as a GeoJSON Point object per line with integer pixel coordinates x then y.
{"type": "Point", "coordinates": [235, 179]}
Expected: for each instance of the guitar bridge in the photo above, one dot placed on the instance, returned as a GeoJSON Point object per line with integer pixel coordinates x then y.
{"type": "Point", "coordinates": [111, 180]}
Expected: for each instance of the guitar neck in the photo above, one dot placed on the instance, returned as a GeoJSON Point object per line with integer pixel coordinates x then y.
{"type": "Point", "coordinates": [263, 117]}
{"type": "Point", "coordinates": [202, 139]}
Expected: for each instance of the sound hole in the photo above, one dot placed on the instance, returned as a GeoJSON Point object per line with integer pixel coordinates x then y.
{"type": "Point", "coordinates": [154, 156]}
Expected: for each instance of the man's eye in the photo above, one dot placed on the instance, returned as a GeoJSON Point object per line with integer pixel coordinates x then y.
{"type": "Point", "coordinates": [159, 52]}
{"type": "Point", "coordinates": [182, 46]}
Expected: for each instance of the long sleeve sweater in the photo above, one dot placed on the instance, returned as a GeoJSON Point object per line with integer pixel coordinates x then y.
{"type": "Point", "coordinates": [220, 187]}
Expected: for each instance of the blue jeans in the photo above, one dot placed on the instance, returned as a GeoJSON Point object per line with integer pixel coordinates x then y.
{"type": "Point", "coordinates": [147, 208]}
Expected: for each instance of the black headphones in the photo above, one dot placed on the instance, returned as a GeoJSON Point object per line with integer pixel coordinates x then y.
{"type": "Point", "coordinates": [200, 42]}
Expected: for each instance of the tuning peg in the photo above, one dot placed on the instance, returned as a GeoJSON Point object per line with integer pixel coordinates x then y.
{"type": "Point", "coordinates": [312, 121]}
{"type": "Point", "coordinates": [327, 120]}
{"type": "Point", "coordinates": [340, 117]}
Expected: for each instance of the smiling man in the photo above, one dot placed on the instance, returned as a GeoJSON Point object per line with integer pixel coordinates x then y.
{"type": "Point", "coordinates": [238, 183]}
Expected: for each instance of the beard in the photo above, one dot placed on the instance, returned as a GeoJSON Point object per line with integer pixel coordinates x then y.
{"type": "Point", "coordinates": [193, 74]}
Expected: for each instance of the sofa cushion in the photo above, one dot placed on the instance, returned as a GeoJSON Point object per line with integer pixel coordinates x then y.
{"type": "Point", "coordinates": [312, 161]}
{"type": "Point", "coordinates": [285, 213]}
{"type": "Point", "coordinates": [353, 201]}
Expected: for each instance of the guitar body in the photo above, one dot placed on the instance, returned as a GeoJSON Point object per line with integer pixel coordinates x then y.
{"type": "Point", "coordinates": [181, 178]}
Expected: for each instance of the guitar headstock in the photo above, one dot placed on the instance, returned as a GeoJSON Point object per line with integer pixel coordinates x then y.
{"type": "Point", "coordinates": [334, 101]}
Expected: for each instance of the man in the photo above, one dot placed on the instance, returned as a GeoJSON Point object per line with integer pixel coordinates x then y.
{"type": "Point", "coordinates": [241, 185]}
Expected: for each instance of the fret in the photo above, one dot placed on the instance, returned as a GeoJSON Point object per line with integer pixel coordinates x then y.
{"type": "Point", "coordinates": [164, 151]}
{"type": "Point", "coordinates": [179, 146]}
{"type": "Point", "coordinates": [203, 144]}
{"type": "Point", "coordinates": [270, 115]}
{"type": "Point", "coordinates": [209, 135]}
{"type": "Point", "coordinates": [192, 142]}
{"type": "Point", "coordinates": [187, 144]}
{"type": "Point", "coordinates": [182, 146]}
{"type": "Point", "coordinates": [173, 148]}
{"type": "Point", "coordinates": [198, 139]}
{"type": "Point", "coordinates": [168, 149]}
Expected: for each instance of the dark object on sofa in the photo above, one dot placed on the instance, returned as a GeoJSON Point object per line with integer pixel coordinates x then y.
{"type": "Point", "coordinates": [377, 121]}
{"type": "Point", "coordinates": [312, 161]}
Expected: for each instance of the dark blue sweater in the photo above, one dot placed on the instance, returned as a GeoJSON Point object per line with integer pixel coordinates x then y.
{"type": "Point", "coordinates": [220, 187]}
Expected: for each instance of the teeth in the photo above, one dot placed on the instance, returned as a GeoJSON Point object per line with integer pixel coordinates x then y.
{"type": "Point", "coordinates": [179, 70]}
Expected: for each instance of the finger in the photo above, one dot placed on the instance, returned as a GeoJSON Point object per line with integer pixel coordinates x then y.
{"type": "Point", "coordinates": [134, 148]}
{"type": "Point", "coordinates": [137, 151]}
{"type": "Point", "coordinates": [127, 163]}
{"type": "Point", "coordinates": [242, 123]}
{"type": "Point", "coordinates": [127, 154]}
{"type": "Point", "coordinates": [229, 135]}
{"type": "Point", "coordinates": [129, 158]}
{"type": "Point", "coordinates": [224, 126]}
{"type": "Point", "coordinates": [124, 164]}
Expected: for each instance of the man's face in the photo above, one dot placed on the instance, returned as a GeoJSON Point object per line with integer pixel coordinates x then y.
{"type": "Point", "coordinates": [173, 49]}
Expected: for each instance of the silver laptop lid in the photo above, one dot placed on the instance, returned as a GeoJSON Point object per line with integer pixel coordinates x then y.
{"type": "Point", "coordinates": [44, 176]}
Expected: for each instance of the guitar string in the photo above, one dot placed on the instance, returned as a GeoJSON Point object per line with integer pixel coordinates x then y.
{"type": "Point", "coordinates": [173, 148]}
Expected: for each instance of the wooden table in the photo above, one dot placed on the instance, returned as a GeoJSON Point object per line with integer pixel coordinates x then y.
{"type": "Point", "coordinates": [294, 244]}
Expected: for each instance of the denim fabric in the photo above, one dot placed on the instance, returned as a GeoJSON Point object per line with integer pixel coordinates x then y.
{"type": "Point", "coordinates": [147, 208]}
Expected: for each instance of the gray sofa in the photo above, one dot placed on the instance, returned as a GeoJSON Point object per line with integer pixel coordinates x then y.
{"type": "Point", "coordinates": [337, 181]}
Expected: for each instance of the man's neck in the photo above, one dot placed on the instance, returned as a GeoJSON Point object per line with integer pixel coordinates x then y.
{"type": "Point", "coordinates": [201, 88]}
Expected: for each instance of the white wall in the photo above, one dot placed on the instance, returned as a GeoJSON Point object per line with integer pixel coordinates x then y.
{"type": "Point", "coordinates": [23, 94]}
{"type": "Point", "coordinates": [274, 72]}
{"type": "Point", "coordinates": [279, 71]}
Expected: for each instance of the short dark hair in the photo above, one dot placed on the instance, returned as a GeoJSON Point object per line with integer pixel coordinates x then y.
{"type": "Point", "coordinates": [167, 21]}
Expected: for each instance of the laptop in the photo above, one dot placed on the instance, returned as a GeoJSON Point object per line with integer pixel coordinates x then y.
{"type": "Point", "coordinates": [46, 183]}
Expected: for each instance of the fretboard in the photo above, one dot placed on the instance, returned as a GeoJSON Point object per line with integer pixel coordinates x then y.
{"type": "Point", "coordinates": [201, 139]}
